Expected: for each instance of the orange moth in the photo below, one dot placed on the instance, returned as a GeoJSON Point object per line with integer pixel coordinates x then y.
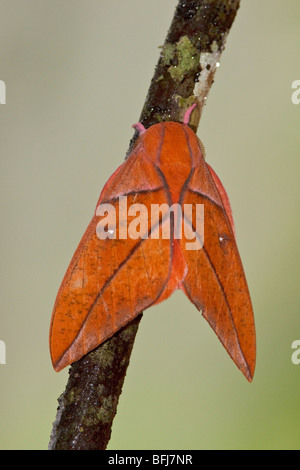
{"type": "Point", "coordinates": [162, 222]}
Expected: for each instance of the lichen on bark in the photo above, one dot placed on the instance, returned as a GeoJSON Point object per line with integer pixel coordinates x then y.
{"type": "Point", "coordinates": [198, 27]}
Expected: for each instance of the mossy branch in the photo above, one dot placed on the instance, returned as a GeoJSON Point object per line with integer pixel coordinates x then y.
{"type": "Point", "coordinates": [184, 75]}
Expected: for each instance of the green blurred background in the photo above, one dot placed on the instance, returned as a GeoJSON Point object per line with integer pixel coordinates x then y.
{"type": "Point", "coordinates": [77, 73]}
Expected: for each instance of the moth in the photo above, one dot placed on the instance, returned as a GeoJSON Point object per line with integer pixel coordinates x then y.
{"type": "Point", "coordinates": [113, 277]}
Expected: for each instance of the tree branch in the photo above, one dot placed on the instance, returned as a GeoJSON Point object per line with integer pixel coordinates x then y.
{"type": "Point", "coordinates": [184, 75]}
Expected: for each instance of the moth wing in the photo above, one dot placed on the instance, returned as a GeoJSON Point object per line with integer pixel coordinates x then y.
{"type": "Point", "coordinates": [110, 281]}
{"type": "Point", "coordinates": [215, 281]}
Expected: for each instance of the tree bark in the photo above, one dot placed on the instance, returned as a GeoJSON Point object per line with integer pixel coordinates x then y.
{"type": "Point", "coordinates": [184, 75]}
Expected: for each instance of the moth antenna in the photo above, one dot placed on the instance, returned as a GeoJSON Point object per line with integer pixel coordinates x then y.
{"type": "Point", "coordinates": [139, 127]}
{"type": "Point", "coordinates": [187, 115]}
